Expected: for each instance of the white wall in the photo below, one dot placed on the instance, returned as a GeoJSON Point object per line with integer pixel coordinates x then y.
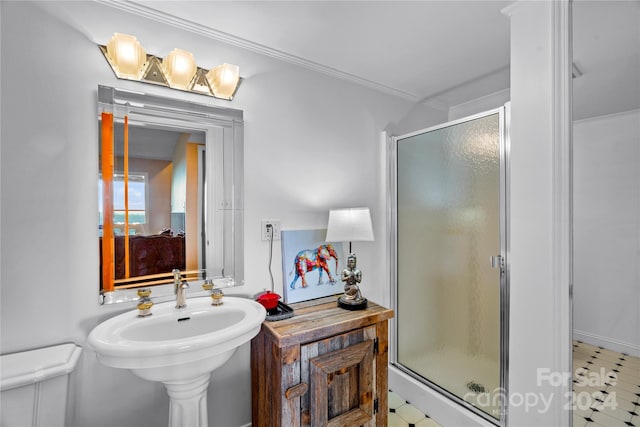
{"type": "Point", "coordinates": [311, 143]}
{"type": "Point", "coordinates": [539, 255]}
{"type": "Point", "coordinates": [607, 231]}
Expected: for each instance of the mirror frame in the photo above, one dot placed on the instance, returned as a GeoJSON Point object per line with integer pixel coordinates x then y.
{"type": "Point", "coordinates": [224, 129]}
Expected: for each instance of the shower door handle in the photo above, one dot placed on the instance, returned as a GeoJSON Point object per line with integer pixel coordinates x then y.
{"type": "Point", "coordinates": [497, 261]}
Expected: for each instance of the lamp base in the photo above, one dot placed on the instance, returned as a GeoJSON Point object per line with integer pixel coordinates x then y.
{"type": "Point", "coordinates": [360, 304]}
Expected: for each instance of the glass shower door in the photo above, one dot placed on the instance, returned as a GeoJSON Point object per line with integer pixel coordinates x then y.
{"type": "Point", "coordinates": [449, 224]}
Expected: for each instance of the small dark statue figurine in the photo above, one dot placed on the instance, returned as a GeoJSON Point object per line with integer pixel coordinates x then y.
{"type": "Point", "coordinates": [351, 276]}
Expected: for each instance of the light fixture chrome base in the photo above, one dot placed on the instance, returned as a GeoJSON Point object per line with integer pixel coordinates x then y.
{"type": "Point", "coordinates": [152, 73]}
{"type": "Point", "coordinates": [352, 304]}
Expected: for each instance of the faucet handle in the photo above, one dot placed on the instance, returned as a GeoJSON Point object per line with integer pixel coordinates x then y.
{"type": "Point", "coordinates": [184, 285]}
{"type": "Point", "coordinates": [144, 293]}
{"type": "Point", "coordinates": [145, 303]}
{"type": "Point", "coordinates": [216, 297]}
{"type": "Point", "coordinates": [144, 308]}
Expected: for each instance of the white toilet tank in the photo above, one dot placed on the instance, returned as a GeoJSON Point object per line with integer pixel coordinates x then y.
{"type": "Point", "coordinates": [34, 385]}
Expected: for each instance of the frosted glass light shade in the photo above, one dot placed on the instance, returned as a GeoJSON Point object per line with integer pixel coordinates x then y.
{"type": "Point", "coordinates": [179, 68]}
{"type": "Point", "coordinates": [223, 80]}
{"type": "Point", "coordinates": [127, 56]}
{"type": "Point", "coordinates": [349, 225]}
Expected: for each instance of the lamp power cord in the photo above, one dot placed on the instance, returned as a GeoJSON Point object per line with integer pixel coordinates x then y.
{"type": "Point", "coordinates": [271, 254]}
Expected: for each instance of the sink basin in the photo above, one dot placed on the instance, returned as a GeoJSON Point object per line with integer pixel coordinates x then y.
{"type": "Point", "coordinates": [179, 347]}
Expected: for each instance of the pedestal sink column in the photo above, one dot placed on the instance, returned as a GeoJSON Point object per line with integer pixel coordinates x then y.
{"type": "Point", "coordinates": [188, 405]}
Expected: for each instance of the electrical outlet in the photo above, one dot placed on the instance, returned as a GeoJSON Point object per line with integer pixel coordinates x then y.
{"type": "Point", "coordinates": [274, 230]}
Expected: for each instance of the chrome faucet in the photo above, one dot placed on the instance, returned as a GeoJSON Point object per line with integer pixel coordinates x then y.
{"type": "Point", "coordinates": [181, 295]}
{"type": "Point", "coordinates": [176, 280]}
{"type": "Point", "coordinates": [180, 289]}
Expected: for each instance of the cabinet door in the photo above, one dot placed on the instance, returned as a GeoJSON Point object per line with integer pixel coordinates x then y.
{"type": "Point", "coordinates": [340, 372]}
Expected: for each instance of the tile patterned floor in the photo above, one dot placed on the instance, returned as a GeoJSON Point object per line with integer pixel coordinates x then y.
{"type": "Point", "coordinates": [606, 387]}
{"type": "Point", "coordinates": [600, 398]}
{"type": "Point", "coordinates": [403, 414]}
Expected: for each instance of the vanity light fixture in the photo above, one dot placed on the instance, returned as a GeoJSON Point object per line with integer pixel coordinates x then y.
{"type": "Point", "coordinates": [179, 67]}
{"type": "Point", "coordinates": [178, 70]}
{"type": "Point", "coordinates": [224, 79]}
{"type": "Point", "coordinates": [127, 56]}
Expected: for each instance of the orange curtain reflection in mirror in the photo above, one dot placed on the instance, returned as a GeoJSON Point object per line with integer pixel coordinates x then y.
{"type": "Point", "coordinates": [108, 244]}
{"type": "Point", "coordinates": [108, 238]}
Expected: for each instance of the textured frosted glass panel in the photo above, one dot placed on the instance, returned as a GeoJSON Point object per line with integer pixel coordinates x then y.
{"type": "Point", "coordinates": [448, 217]}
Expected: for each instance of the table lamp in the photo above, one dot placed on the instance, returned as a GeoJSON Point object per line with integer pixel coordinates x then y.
{"type": "Point", "coordinates": [350, 225]}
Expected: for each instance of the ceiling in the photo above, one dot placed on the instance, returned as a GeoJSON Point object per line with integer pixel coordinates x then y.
{"type": "Point", "coordinates": [153, 142]}
{"type": "Point", "coordinates": [606, 49]}
{"type": "Point", "coordinates": [441, 53]}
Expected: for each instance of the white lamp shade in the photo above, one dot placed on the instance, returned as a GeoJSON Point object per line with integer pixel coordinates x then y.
{"type": "Point", "coordinates": [349, 225]}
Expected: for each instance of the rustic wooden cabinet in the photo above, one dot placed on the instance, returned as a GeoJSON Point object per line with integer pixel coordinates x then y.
{"type": "Point", "coordinates": [325, 366]}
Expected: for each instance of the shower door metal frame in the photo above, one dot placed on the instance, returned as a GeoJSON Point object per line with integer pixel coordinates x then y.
{"type": "Point", "coordinates": [392, 155]}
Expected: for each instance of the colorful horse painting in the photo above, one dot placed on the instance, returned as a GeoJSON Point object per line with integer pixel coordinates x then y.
{"type": "Point", "coordinates": [310, 259]}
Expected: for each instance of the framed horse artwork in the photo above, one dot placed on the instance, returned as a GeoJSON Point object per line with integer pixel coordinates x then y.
{"type": "Point", "coordinates": [310, 265]}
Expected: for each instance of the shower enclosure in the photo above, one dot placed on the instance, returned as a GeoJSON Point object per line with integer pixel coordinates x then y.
{"type": "Point", "coordinates": [449, 260]}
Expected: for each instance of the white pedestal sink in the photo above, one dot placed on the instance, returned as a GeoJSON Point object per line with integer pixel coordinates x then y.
{"type": "Point", "coordinates": [179, 347]}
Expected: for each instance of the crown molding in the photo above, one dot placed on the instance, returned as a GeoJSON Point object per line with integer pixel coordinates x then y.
{"type": "Point", "coordinates": [193, 27]}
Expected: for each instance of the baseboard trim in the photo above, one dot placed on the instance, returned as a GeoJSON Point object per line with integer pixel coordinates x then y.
{"type": "Point", "coordinates": [606, 342]}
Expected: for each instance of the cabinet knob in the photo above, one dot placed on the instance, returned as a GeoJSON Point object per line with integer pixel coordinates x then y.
{"type": "Point", "coordinates": [296, 391]}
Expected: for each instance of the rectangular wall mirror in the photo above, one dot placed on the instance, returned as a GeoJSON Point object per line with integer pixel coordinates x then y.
{"type": "Point", "coordinates": [169, 194]}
